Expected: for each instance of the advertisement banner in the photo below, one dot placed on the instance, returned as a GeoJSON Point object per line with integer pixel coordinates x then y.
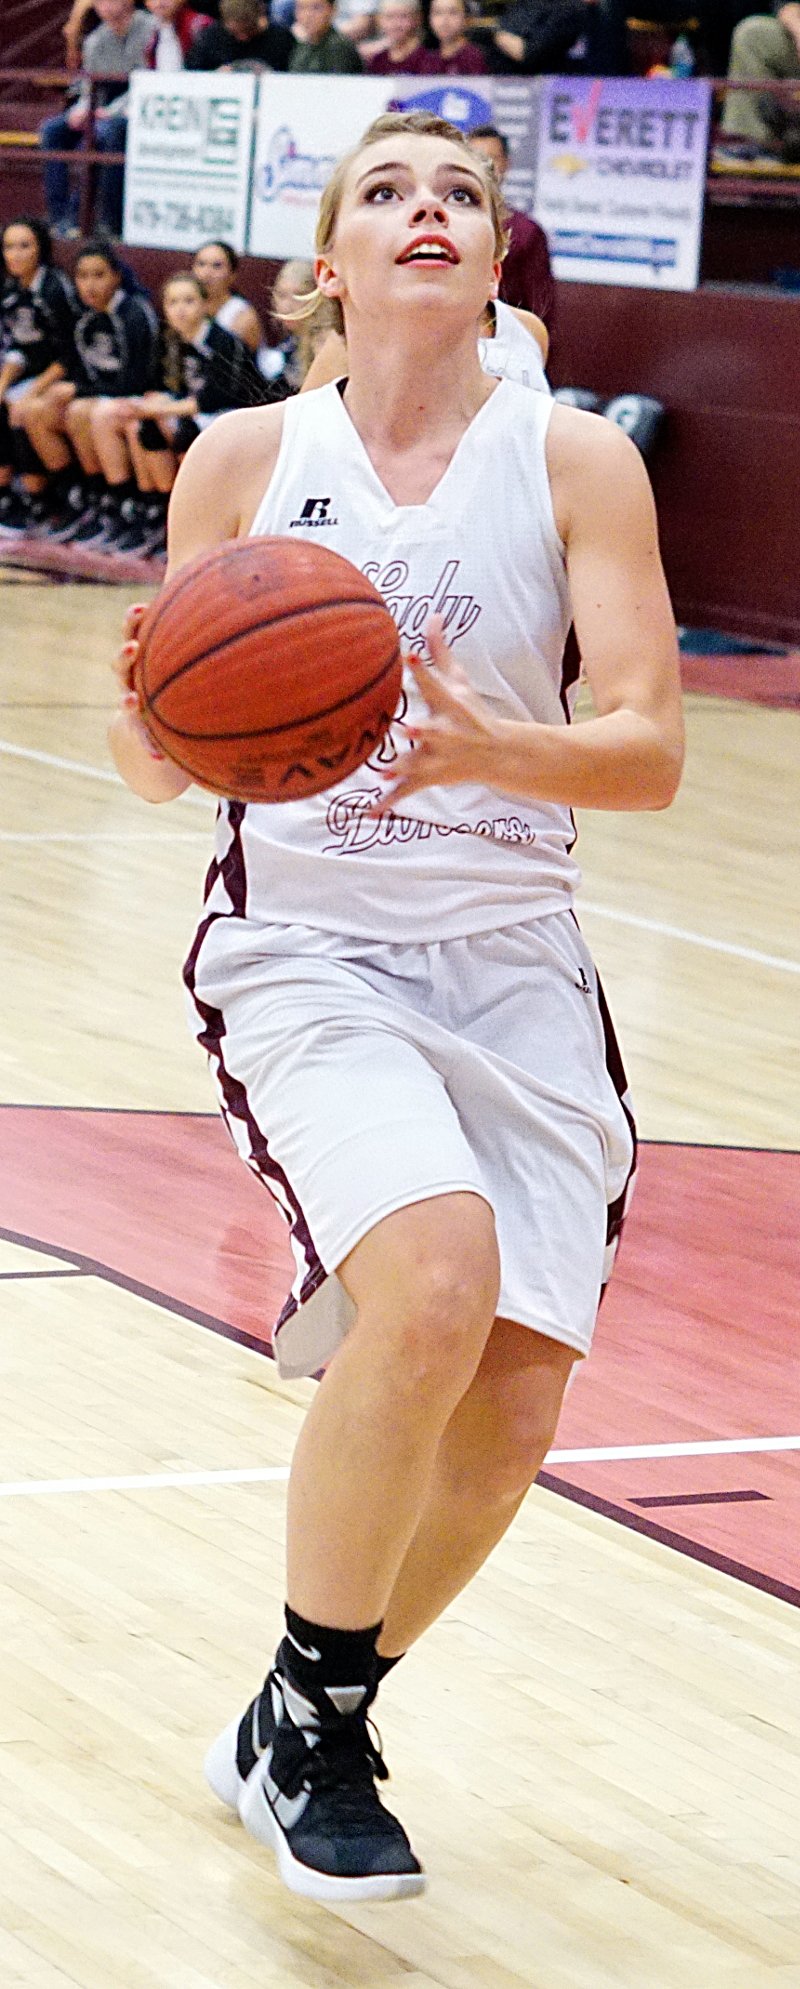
{"type": "Point", "coordinates": [187, 162]}
{"type": "Point", "coordinates": [621, 177]}
{"type": "Point", "coordinates": [303, 127]}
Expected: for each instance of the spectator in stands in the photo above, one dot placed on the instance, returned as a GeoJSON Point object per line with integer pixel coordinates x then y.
{"type": "Point", "coordinates": [355, 19]}
{"type": "Point", "coordinates": [177, 26]}
{"type": "Point", "coordinates": [534, 37]}
{"type": "Point", "coordinates": [215, 265]}
{"type": "Point", "coordinates": [37, 309]}
{"type": "Point", "coordinates": [111, 51]}
{"type": "Point", "coordinates": [80, 21]}
{"type": "Point", "coordinates": [526, 279]}
{"type": "Point", "coordinates": [112, 362]}
{"type": "Point", "coordinates": [765, 48]}
{"type": "Point", "coordinates": [242, 38]}
{"type": "Point", "coordinates": [319, 49]}
{"type": "Point", "coordinates": [455, 54]}
{"type": "Point", "coordinates": [400, 27]}
{"type": "Point", "coordinates": [202, 371]}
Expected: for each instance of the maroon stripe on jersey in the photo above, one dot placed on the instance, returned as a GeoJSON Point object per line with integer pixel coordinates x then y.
{"type": "Point", "coordinates": [570, 670]}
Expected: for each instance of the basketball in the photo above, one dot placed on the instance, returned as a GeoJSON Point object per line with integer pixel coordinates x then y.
{"type": "Point", "coordinates": [268, 669]}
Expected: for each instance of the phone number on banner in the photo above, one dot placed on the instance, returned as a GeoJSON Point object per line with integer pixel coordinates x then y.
{"type": "Point", "coordinates": [178, 217]}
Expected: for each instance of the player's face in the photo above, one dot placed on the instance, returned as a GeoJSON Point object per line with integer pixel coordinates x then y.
{"type": "Point", "coordinates": [21, 253]}
{"type": "Point", "coordinates": [414, 230]}
{"type": "Point", "coordinates": [95, 282]}
{"type": "Point", "coordinates": [163, 10]}
{"type": "Point", "coordinates": [184, 309]}
{"type": "Point", "coordinates": [212, 267]}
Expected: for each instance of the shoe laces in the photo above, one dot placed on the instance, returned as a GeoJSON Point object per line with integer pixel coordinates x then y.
{"type": "Point", "coordinates": [346, 1757]}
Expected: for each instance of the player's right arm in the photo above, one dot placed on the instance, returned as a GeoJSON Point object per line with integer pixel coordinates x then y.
{"type": "Point", "coordinates": [217, 492]}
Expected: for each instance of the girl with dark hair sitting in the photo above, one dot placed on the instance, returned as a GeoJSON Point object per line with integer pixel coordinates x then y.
{"type": "Point", "coordinates": [215, 265]}
{"type": "Point", "coordinates": [36, 319]}
{"type": "Point", "coordinates": [112, 360]}
{"type": "Point", "coordinates": [202, 371]}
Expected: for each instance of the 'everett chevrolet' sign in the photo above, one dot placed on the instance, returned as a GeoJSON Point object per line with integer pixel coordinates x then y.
{"type": "Point", "coordinates": [621, 176]}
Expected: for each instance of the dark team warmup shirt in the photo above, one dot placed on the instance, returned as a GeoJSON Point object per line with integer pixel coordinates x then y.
{"type": "Point", "coordinates": [115, 350]}
{"type": "Point", "coordinates": [219, 373]}
{"type": "Point", "coordinates": [527, 278]}
{"type": "Point", "coordinates": [36, 324]}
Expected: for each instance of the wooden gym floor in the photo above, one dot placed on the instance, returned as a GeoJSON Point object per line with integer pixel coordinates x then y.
{"type": "Point", "coordinates": [597, 1750]}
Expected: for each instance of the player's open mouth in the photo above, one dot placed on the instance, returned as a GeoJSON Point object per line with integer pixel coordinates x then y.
{"type": "Point", "coordinates": [430, 248]}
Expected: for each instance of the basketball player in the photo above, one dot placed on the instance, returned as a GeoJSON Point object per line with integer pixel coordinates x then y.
{"type": "Point", "coordinates": [405, 1025]}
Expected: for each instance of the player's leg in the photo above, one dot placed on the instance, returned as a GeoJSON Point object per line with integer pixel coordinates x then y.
{"type": "Point", "coordinates": [489, 1455]}
{"type": "Point", "coordinates": [424, 1282]}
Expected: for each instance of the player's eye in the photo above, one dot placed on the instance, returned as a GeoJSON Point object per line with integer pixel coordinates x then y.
{"type": "Point", "coordinates": [467, 194]}
{"type": "Point", "coordinates": [379, 191]}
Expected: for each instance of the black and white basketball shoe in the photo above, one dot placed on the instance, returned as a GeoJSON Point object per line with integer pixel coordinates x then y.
{"type": "Point", "coordinates": [306, 1788]}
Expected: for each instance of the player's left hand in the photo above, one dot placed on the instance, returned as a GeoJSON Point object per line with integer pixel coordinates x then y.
{"type": "Point", "coordinates": [460, 741]}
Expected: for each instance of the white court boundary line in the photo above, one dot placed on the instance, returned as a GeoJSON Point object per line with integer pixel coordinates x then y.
{"type": "Point", "coordinates": [272, 1474]}
{"type": "Point", "coordinates": [777, 961]}
{"type": "Point", "coordinates": [728, 946]}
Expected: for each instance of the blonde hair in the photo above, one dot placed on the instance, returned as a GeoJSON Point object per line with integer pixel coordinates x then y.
{"type": "Point", "coordinates": [312, 316]}
{"type": "Point", "coordinates": [410, 124]}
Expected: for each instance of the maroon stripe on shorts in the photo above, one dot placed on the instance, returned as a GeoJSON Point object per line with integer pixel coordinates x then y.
{"type": "Point", "coordinates": [236, 1105]}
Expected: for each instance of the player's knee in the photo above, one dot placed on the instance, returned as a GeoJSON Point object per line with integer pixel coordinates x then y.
{"type": "Point", "coordinates": [442, 1327]}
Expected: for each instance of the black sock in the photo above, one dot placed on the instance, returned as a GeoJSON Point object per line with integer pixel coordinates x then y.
{"type": "Point", "coordinates": [387, 1664]}
{"type": "Point", "coordinates": [334, 1671]}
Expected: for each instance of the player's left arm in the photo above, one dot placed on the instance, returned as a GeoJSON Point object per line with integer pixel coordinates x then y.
{"type": "Point", "coordinates": [630, 754]}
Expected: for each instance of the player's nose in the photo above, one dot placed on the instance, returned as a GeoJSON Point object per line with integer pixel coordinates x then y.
{"type": "Point", "coordinates": [429, 208]}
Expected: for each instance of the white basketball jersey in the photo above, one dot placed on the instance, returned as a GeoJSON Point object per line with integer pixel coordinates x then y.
{"type": "Point", "coordinates": [513, 353]}
{"type": "Point", "coordinates": [484, 553]}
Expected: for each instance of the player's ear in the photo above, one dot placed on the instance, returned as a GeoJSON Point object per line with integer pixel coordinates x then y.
{"type": "Point", "coordinates": [494, 287]}
{"type": "Point", "coordinates": [328, 282]}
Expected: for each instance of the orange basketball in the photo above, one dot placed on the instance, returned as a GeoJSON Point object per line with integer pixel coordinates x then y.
{"type": "Point", "coordinates": [268, 669]}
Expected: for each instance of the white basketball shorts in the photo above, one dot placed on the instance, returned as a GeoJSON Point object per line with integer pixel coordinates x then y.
{"type": "Point", "coordinates": [358, 1077]}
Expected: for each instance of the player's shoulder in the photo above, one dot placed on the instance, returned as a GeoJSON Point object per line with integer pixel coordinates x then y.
{"type": "Point", "coordinates": [596, 472]}
{"type": "Point", "coordinates": [587, 446]}
{"type": "Point", "coordinates": [246, 438]}
{"type": "Point", "coordinates": [222, 479]}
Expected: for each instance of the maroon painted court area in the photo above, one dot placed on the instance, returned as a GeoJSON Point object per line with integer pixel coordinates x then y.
{"type": "Point", "coordinates": [697, 1339]}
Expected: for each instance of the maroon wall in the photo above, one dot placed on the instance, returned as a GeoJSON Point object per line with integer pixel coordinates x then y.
{"type": "Point", "coordinates": [727, 473]}
{"type": "Point", "coordinates": [31, 33]}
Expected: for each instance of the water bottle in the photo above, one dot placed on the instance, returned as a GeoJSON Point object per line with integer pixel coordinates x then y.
{"type": "Point", "coordinates": [681, 57]}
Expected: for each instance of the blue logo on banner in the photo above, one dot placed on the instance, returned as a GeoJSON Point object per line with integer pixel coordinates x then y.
{"type": "Point", "coordinates": [286, 169]}
{"type": "Point", "coordinates": [462, 107]}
